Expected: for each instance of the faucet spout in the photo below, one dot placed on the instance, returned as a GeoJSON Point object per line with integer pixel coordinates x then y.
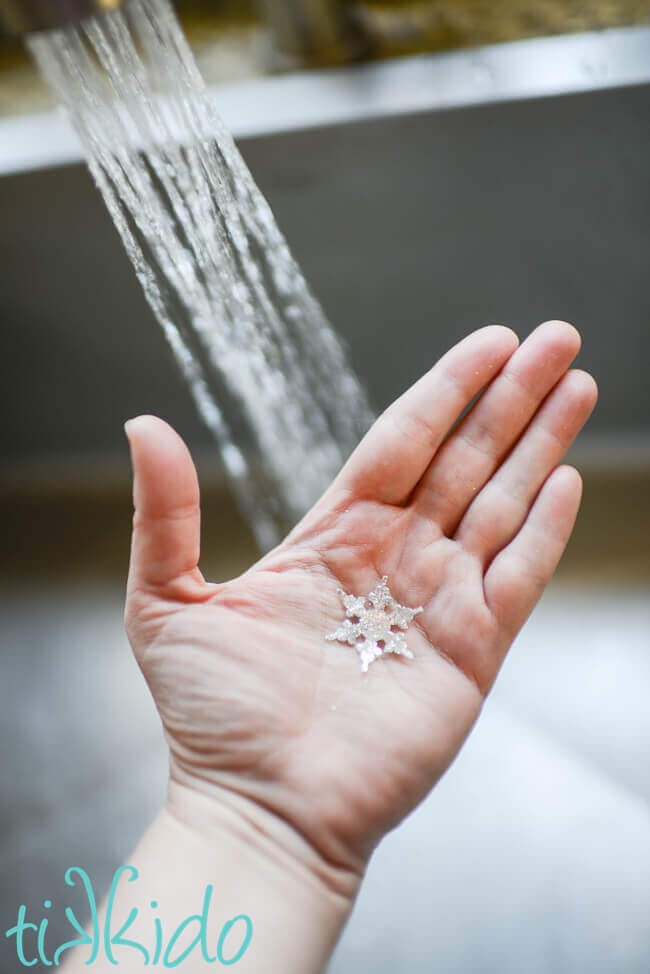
{"type": "Point", "coordinates": [26, 16]}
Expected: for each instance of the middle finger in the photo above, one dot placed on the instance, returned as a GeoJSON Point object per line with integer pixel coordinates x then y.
{"type": "Point", "coordinates": [474, 450]}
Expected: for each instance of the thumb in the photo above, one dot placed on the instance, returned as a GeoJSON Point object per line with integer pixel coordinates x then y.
{"type": "Point", "coordinates": [167, 520]}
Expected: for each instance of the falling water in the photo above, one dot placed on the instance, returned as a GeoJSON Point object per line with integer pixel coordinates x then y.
{"type": "Point", "coordinates": [268, 374]}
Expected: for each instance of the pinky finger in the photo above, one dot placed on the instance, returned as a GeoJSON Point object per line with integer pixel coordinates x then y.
{"type": "Point", "coordinates": [518, 575]}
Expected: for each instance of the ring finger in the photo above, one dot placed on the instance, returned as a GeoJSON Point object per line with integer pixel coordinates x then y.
{"type": "Point", "coordinates": [499, 510]}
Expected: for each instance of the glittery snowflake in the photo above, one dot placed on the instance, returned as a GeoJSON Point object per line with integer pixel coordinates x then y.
{"type": "Point", "coordinates": [374, 624]}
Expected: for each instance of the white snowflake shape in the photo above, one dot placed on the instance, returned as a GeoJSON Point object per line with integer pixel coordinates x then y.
{"type": "Point", "coordinates": [374, 624]}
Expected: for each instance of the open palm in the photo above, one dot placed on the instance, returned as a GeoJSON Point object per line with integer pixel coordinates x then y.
{"type": "Point", "coordinates": [259, 709]}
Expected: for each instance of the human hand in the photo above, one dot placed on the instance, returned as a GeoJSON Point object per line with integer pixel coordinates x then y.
{"type": "Point", "coordinates": [266, 718]}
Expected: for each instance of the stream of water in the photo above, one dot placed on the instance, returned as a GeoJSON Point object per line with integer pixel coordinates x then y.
{"type": "Point", "coordinates": [268, 374]}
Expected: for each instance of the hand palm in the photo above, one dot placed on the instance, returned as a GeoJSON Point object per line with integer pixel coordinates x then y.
{"type": "Point", "coordinates": [255, 702]}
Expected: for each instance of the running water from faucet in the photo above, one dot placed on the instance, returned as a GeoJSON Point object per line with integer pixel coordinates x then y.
{"type": "Point", "coordinates": [267, 372]}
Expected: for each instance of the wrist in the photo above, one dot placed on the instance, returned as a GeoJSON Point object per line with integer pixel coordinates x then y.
{"type": "Point", "coordinates": [264, 867]}
{"type": "Point", "coordinates": [222, 886]}
{"type": "Point", "coordinates": [218, 815]}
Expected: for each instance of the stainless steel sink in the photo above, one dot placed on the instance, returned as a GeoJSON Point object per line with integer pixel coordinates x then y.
{"type": "Point", "coordinates": [424, 197]}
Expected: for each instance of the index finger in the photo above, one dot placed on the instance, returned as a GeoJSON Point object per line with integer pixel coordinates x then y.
{"type": "Point", "coordinates": [399, 446]}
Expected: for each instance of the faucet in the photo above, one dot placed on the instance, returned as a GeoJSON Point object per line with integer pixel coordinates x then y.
{"type": "Point", "coordinates": [26, 16]}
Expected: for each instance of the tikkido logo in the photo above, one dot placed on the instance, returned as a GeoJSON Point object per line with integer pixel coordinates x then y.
{"type": "Point", "coordinates": [31, 938]}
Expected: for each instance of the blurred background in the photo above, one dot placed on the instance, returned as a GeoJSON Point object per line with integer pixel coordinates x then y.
{"type": "Point", "coordinates": [436, 165]}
